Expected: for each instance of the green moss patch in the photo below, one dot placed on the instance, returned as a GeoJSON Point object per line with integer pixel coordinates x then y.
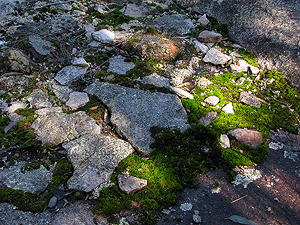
{"type": "Point", "coordinates": [248, 56]}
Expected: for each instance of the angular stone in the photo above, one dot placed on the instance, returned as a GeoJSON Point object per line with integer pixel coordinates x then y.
{"type": "Point", "coordinates": [248, 99]}
{"type": "Point", "coordinates": [39, 99]}
{"type": "Point", "coordinates": [45, 111]}
{"type": "Point", "coordinates": [130, 184]}
{"type": "Point", "coordinates": [216, 57]}
{"type": "Point", "coordinates": [16, 105]}
{"type": "Point", "coordinates": [224, 141]}
{"type": "Point", "coordinates": [197, 219]}
{"type": "Point", "coordinates": [200, 47]}
{"type": "Point", "coordinates": [117, 65]}
{"type": "Point", "coordinates": [134, 112]}
{"type": "Point", "coordinates": [80, 62]}
{"type": "Point", "coordinates": [252, 138]}
{"type": "Point", "coordinates": [254, 70]}
{"type": "Point", "coordinates": [241, 80]}
{"type": "Point", "coordinates": [7, 82]}
{"type": "Point", "coordinates": [175, 24]}
{"type": "Point", "coordinates": [94, 158]}
{"type": "Point", "coordinates": [228, 108]}
{"type": "Point", "coordinates": [104, 36]}
{"type": "Point", "coordinates": [210, 37]}
{"type": "Point", "coordinates": [203, 82]}
{"type": "Point", "coordinates": [77, 99]}
{"type": "Point", "coordinates": [41, 46]}
{"type": "Point", "coordinates": [156, 80]}
{"type": "Point", "coordinates": [182, 93]}
{"type": "Point", "coordinates": [62, 92]}
{"type": "Point", "coordinates": [55, 128]}
{"type": "Point", "coordinates": [203, 20]}
{"type": "Point", "coordinates": [18, 61]}
{"type": "Point", "coordinates": [212, 100]}
{"type": "Point", "coordinates": [208, 118]}
{"type": "Point", "coordinates": [179, 75]}
{"type": "Point", "coordinates": [69, 74]}
{"type": "Point", "coordinates": [15, 117]}
{"type": "Point", "coordinates": [34, 181]}
{"type": "Point", "coordinates": [136, 11]}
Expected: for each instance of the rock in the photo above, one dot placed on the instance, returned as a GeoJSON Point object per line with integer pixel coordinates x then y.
{"type": "Point", "coordinates": [34, 181]}
{"type": "Point", "coordinates": [152, 47]}
{"type": "Point", "coordinates": [203, 82]}
{"type": "Point", "coordinates": [197, 219]}
{"type": "Point", "coordinates": [182, 93]}
{"type": "Point", "coordinates": [210, 37]}
{"type": "Point", "coordinates": [13, 117]}
{"type": "Point", "coordinates": [136, 11]}
{"type": "Point", "coordinates": [89, 29]}
{"type": "Point", "coordinates": [78, 13]}
{"type": "Point", "coordinates": [39, 99]}
{"type": "Point", "coordinates": [52, 202]}
{"type": "Point", "coordinates": [80, 62]}
{"type": "Point", "coordinates": [228, 108]}
{"type": "Point", "coordinates": [208, 118]}
{"type": "Point", "coordinates": [45, 111]}
{"type": "Point", "coordinates": [240, 81]}
{"type": "Point", "coordinates": [41, 46]}
{"type": "Point", "coordinates": [18, 61]}
{"type": "Point", "coordinates": [248, 176]}
{"type": "Point", "coordinates": [77, 99]}
{"type": "Point", "coordinates": [203, 20]}
{"type": "Point", "coordinates": [156, 80]}
{"type": "Point", "coordinates": [7, 82]}
{"type": "Point", "coordinates": [248, 99]}
{"type": "Point", "coordinates": [94, 158]}
{"type": "Point", "coordinates": [15, 105]}
{"type": "Point", "coordinates": [104, 36]}
{"type": "Point", "coordinates": [252, 138]}
{"type": "Point", "coordinates": [69, 74]}
{"type": "Point", "coordinates": [117, 65]}
{"type": "Point", "coordinates": [63, 7]}
{"type": "Point", "coordinates": [55, 128]}
{"type": "Point", "coordinates": [216, 57]}
{"type": "Point", "coordinates": [179, 75]}
{"type": "Point", "coordinates": [186, 207]}
{"type": "Point", "coordinates": [254, 70]}
{"type": "Point", "coordinates": [62, 92]}
{"type": "Point", "coordinates": [175, 24]}
{"type": "Point", "coordinates": [224, 141]}
{"type": "Point", "coordinates": [200, 47]}
{"type": "Point", "coordinates": [130, 184]}
{"type": "Point", "coordinates": [134, 112]}
{"type": "Point", "coordinates": [212, 100]}
{"type": "Point", "coordinates": [68, 21]}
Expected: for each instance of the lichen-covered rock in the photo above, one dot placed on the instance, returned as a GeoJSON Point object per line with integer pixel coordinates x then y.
{"type": "Point", "coordinates": [130, 184]}
{"type": "Point", "coordinates": [94, 158]}
{"type": "Point", "coordinates": [134, 112]}
{"type": "Point", "coordinates": [60, 91]}
{"type": "Point", "coordinates": [104, 36]}
{"type": "Point", "coordinates": [224, 141]}
{"type": "Point", "coordinates": [69, 74]}
{"type": "Point", "coordinates": [248, 99]}
{"type": "Point", "coordinates": [14, 106]}
{"type": "Point", "coordinates": [77, 99]}
{"type": "Point", "coordinates": [18, 61]}
{"type": "Point", "coordinates": [252, 138]}
{"type": "Point", "coordinates": [39, 99]}
{"type": "Point", "coordinates": [216, 57]}
{"type": "Point", "coordinates": [117, 65]}
{"type": "Point", "coordinates": [41, 46]}
{"type": "Point", "coordinates": [156, 80]}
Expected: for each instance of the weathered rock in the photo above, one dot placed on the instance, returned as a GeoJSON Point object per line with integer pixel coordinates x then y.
{"type": "Point", "coordinates": [55, 128]}
{"type": "Point", "coordinates": [78, 13]}
{"type": "Point", "coordinates": [79, 62]}
{"type": "Point", "coordinates": [228, 108]}
{"type": "Point", "coordinates": [200, 47]}
{"type": "Point", "coordinates": [252, 138]}
{"type": "Point", "coordinates": [253, 69]}
{"type": "Point", "coordinates": [203, 20]}
{"type": "Point", "coordinates": [182, 93]}
{"type": "Point", "coordinates": [34, 181]}
{"type": "Point", "coordinates": [13, 117]}
{"type": "Point", "coordinates": [104, 36]}
{"type": "Point", "coordinates": [94, 158]}
{"type": "Point", "coordinates": [208, 118]}
{"type": "Point", "coordinates": [41, 46]}
{"type": "Point", "coordinates": [197, 219]}
{"type": "Point", "coordinates": [156, 80]}
{"type": "Point", "coordinates": [62, 92]}
{"type": "Point", "coordinates": [134, 112]}
{"type": "Point", "coordinates": [52, 202]}
{"type": "Point", "coordinates": [130, 184]}
{"type": "Point", "coordinates": [136, 11]}
{"type": "Point", "coordinates": [216, 57]}
{"type": "Point", "coordinates": [117, 65]}
{"type": "Point", "coordinates": [212, 100]}
{"type": "Point", "coordinates": [15, 105]}
{"type": "Point", "coordinates": [7, 82]}
{"type": "Point", "coordinates": [210, 37]}
{"type": "Point", "coordinates": [203, 82]}
{"type": "Point", "coordinates": [45, 111]}
{"type": "Point", "coordinates": [77, 99]}
{"type": "Point", "coordinates": [179, 75]}
{"type": "Point", "coordinates": [240, 81]}
{"type": "Point", "coordinates": [224, 141]}
{"type": "Point", "coordinates": [175, 24]}
{"type": "Point", "coordinates": [248, 99]}
{"type": "Point", "coordinates": [69, 74]}
{"type": "Point", "coordinates": [39, 99]}
{"type": "Point", "coordinates": [18, 61]}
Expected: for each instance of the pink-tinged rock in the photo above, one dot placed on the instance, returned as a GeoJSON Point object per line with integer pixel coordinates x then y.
{"type": "Point", "coordinates": [248, 99]}
{"type": "Point", "coordinates": [252, 138]}
{"type": "Point", "coordinates": [77, 99]}
{"type": "Point", "coordinates": [224, 141]}
{"type": "Point", "coordinates": [130, 184]}
{"type": "Point", "coordinates": [210, 37]}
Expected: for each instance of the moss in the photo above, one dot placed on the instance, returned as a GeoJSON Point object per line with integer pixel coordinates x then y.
{"type": "Point", "coordinates": [151, 3]}
{"type": "Point", "coordinates": [160, 9]}
{"type": "Point", "coordinates": [151, 30]}
{"type": "Point", "coordinates": [25, 112]}
{"type": "Point", "coordinates": [31, 166]}
{"type": "Point", "coordinates": [248, 56]}
{"type": "Point", "coordinates": [25, 201]}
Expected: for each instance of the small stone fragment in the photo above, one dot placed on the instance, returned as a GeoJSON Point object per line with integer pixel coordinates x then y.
{"type": "Point", "coordinates": [182, 93]}
{"type": "Point", "coordinates": [212, 100]}
{"type": "Point", "coordinates": [216, 57]}
{"type": "Point", "coordinates": [104, 36]}
{"type": "Point", "coordinates": [77, 99]}
{"type": "Point", "coordinates": [241, 80]}
{"type": "Point", "coordinates": [228, 108]}
{"type": "Point", "coordinates": [41, 46]}
{"type": "Point", "coordinates": [80, 62]}
{"type": "Point", "coordinates": [39, 99]}
{"type": "Point", "coordinates": [224, 141]}
{"type": "Point", "coordinates": [208, 118]}
{"type": "Point", "coordinates": [186, 207]}
{"type": "Point", "coordinates": [197, 218]}
{"type": "Point", "coordinates": [69, 74]}
{"type": "Point", "coordinates": [18, 61]}
{"type": "Point", "coordinates": [52, 202]}
{"type": "Point", "coordinates": [250, 100]}
{"type": "Point", "coordinates": [130, 184]}
{"type": "Point", "coordinates": [210, 37]}
{"type": "Point", "coordinates": [119, 66]}
{"type": "Point", "coordinates": [200, 47]}
{"type": "Point", "coordinates": [203, 82]}
{"type": "Point", "coordinates": [156, 80]}
{"type": "Point", "coordinates": [45, 111]}
{"type": "Point", "coordinates": [253, 69]}
{"type": "Point", "coordinates": [203, 20]}
{"type": "Point", "coordinates": [252, 138]}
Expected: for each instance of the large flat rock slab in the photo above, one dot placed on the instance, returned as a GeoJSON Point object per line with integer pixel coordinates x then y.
{"type": "Point", "coordinates": [94, 158]}
{"type": "Point", "coordinates": [134, 112]}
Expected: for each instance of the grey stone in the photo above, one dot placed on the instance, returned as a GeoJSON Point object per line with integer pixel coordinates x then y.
{"type": "Point", "coordinates": [179, 75]}
{"type": "Point", "coordinates": [241, 80]}
{"type": "Point", "coordinates": [45, 111]}
{"type": "Point", "coordinates": [197, 219]}
{"type": "Point", "coordinates": [16, 105]}
{"type": "Point", "coordinates": [34, 181]}
{"type": "Point", "coordinates": [228, 108]}
{"type": "Point", "coordinates": [89, 29]}
{"type": "Point", "coordinates": [156, 80]}
{"type": "Point", "coordinates": [15, 117]}
{"type": "Point", "coordinates": [77, 99]}
{"type": "Point", "coordinates": [212, 100]}
{"type": "Point", "coordinates": [94, 158]}
{"type": "Point", "coordinates": [41, 46]}
{"type": "Point", "coordinates": [134, 112]}
{"type": "Point", "coordinates": [203, 82]}
{"type": "Point", "coordinates": [182, 93]}
{"type": "Point", "coordinates": [176, 23]}
{"type": "Point", "coordinates": [80, 62]}
{"type": "Point", "coordinates": [63, 7]}
{"type": "Point", "coordinates": [136, 11]}
{"type": "Point", "coordinates": [18, 61]}
{"type": "Point", "coordinates": [248, 99]}
{"type": "Point", "coordinates": [104, 36]}
{"type": "Point", "coordinates": [224, 141]}
{"type": "Point", "coordinates": [216, 57]}
{"type": "Point", "coordinates": [39, 99]}
{"type": "Point", "coordinates": [252, 138]}
{"type": "Point", "coordinates": [95, 44]}
{"type": "Point", "coordinates": [208, 118]}
{"type": "Point", "coordinates": [210, 37]}
{"type": "Point", "coordinates": [68, 21]}
{"type": "Point", "coordinates": [7, 82]}
{"type": "Point", "coordinates": [69, 74]}
{"type": "Point", "coordinates": [55, 128]}
{"type": "Point", "coordinates": [200, 47]}
{"type": "Point", "coordinates": [78, 13]}
{"type": "Point", "coordinates": [130, 184]}
{"type": "Point", "coordinates": [117, 65]}
{"type": "Point", "coordinates": [52, 202]}
{"type": "Point", "coordinates": [203, 20]}
{"type": "Point", "coordinates": [62, 92]}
